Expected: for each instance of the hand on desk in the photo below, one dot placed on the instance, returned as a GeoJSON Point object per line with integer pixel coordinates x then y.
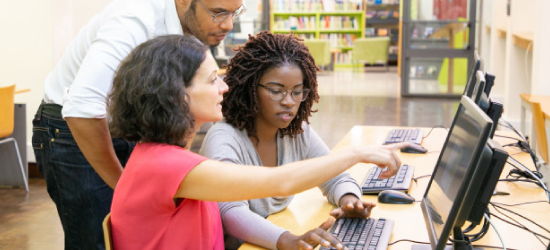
{"type": "Point", "coordinates": [310, 239]}
{"type": "Point", "coordinates": [351, 206]}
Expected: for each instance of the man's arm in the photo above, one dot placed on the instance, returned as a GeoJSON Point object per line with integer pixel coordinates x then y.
{"type": "Point", "coordinates": [94, 140]}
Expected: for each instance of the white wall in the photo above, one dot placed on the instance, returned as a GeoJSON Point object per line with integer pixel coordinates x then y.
{"type": "Point", "coordinates": [34, 35]}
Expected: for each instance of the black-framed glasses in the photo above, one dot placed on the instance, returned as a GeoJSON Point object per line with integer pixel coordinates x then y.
{"type": "Point", "coordinates": [220, 17]}
{"type": "Point", "coordinates": [298, 95]}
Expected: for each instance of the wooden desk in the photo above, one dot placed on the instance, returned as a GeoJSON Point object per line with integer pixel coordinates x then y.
{"type": "Point", "coordinates": [310, 208]}
{"type": "Point", "coordinates": [19, 91]}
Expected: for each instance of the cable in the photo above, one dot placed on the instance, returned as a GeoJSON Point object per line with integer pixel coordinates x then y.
{"type": "Point", "coordinates": [436, 126]}
{"type": "Point", "coordinates": [497, 207]}
{"type": "Point", "coordinates": [519, 204]}
{"type": "Point", "coordinates": [518, 224]}
{"type": "Point", "coordinates": [520, 180]}
{"type": "Point", "coordinates": [534, 176]}
{"type": "Point", "coordinates": [508, 137]}
{"type": "Point", "coordinates": [427, 243]}
{"type": "Point", "coordinates": [518, 173]}
{"type": "Point", "coordinates": [420, 177]}
{"type": "Point", "coordinates": [413, 241]}
{"type": "Point", "coordinates": [522, 227]}
{"type": "Point", "coordinates": [493, 225]}
{"type": "Point", "coordinates": [528, 147]}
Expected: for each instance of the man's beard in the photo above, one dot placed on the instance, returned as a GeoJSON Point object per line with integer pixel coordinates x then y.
{"type": "Point", "coordinates": [193, 28]}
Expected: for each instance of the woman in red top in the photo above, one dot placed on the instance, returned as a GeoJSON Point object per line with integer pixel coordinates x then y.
{"type": "Point", "coordinates": [166, 197]}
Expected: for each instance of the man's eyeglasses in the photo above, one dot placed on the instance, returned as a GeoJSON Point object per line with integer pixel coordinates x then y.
{"type": "Point", "coordinates": [220, 17]}
{"type": "Point", "coordinates": [298, 95]}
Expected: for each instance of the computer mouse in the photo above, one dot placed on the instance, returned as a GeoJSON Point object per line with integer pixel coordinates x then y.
{"type": "Point", "coordinates": [414, 148]}
{"type": "Point", "coordinates": [395, 197]}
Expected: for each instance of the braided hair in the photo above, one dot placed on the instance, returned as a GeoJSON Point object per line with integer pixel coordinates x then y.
{"type": "Point", "coordinates": [260, 53]}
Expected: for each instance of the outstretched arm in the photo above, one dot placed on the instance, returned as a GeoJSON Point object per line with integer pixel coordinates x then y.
{"type": "Point", "coordinates": [250, 182]}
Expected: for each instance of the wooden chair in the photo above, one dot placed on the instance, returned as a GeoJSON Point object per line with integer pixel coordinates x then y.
{"type": "Point", "coordinates": [540, 130]}
{"type": "Point", "coordinates": [107, 233]}
{"type": "Point", "coordinates": [7, 95]}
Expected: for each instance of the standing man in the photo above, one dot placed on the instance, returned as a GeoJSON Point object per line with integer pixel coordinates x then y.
{"type": "Point", "coordinates": [72, 144]}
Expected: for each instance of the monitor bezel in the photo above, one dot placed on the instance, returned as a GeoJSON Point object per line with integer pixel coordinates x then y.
{"type": "Point", "coordinates": [469, 88]}
{"type": "Point", "coordinates": [454, 214]}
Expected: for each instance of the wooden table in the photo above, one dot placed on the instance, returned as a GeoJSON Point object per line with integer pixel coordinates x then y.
{"type": "Point", "coordinates": [310, 208]}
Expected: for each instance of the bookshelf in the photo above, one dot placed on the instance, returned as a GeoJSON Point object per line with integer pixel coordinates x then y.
{"type": "Point", "coordinates": [382, 19]}
{"type": "Point", "coordinates": [340, 22]}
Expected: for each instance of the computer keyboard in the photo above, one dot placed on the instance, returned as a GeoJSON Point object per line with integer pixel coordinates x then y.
{"type": "Point", "coordinates": [413, 135]}
{"type": "Point", "coordinates": [362, 233]}
{"type": "Point", "coordinates": [400, 181]}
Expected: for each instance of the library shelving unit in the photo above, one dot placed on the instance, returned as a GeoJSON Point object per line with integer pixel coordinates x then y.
{"type": "Point", "coordinates": [437, 51]}
{"type": "Point", "coordinates": [382, 19]}
{"type": "Point", "coordinates": [340, 23]}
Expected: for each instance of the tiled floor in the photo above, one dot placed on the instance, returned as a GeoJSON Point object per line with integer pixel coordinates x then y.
{"type": "Point", "coordinates": [30, 221]}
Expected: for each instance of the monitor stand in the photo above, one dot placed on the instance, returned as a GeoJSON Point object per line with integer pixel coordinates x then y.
{"type": "Point", "coordinates": [462, 243]}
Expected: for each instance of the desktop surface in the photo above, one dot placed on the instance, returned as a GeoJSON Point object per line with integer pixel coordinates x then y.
{"type": "Point", "coordinates": [310, 209]}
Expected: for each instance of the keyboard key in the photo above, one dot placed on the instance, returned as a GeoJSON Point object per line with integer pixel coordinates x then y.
{"type": "Point", "coordinates": [362, 233]}
{"type": "Point", "coordinates": [413, 135]}
{"type": "Point", "coordinates": [401, 181]}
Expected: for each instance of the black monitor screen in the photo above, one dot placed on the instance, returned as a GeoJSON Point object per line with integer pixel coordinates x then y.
{"type": "Point", "coordinates": [470, 85]}
{"type": "Point", "coordinates": [456, 165]}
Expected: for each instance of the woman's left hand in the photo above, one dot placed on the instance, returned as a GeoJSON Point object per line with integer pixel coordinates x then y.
{"type": "Point", "coordinates": [351, 206]}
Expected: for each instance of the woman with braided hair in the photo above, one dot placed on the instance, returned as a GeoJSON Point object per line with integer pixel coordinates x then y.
{"type": "Point", "coordinates": [272, 87]}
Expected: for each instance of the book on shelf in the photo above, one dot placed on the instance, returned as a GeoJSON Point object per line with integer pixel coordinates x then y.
{"type": "Point", "coordinates": [339, 22]}
{"type": "Point", "coordinates": [382, 32]}
{"type": "Point", "coordinates": [295, 23]}
{"type": "Point", "coordinates": [338, 39]}
{"type": "Point", "coordinates": [373, 2]}
{"type": "Point", "coordinates": [369, 32]}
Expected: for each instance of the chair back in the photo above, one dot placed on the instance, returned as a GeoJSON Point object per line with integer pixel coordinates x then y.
{"type": "Point", "coordinates": [107, 233]}
{"type": "Point", "coordinates": [540, 130]}
{"type": "Point", "coordinates": [320, 51]}
{"type": "Point", "coordinates": [371, 49]}
{"type": "Point", "coordinates": [7, 95]}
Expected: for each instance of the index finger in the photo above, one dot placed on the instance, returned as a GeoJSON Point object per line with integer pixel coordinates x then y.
{"type": "Point", "coordinates": [396, 146]}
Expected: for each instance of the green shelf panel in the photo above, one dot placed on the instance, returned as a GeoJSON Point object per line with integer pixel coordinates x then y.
{"type": "Point", "coordinates": [295, 31]}
{"type": "Point", "coordinates": [295, 13]}
{"type": "Point", "coordinates": [339, 31]}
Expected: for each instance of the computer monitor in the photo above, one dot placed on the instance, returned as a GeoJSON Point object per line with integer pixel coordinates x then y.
{"type": "Point", "coordinates": [478, 88]}
{"type": "Point", "coordinates": [469, 89]}
{"type": "Point", "coordinates": [461, 178]}
{"type": "Point", "coordinates": [480, 95]}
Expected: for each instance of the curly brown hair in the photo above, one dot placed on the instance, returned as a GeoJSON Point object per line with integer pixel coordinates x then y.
{"type": "Point", "coordinates": [148, 101]}
{"type": "Point", "coordinates": [262, 52]}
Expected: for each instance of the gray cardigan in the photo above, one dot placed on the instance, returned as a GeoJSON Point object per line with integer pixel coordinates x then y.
{"type": "Point", "coordinates": [245, 220]}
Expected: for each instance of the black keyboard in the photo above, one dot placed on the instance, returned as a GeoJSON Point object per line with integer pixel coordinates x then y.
{"type": "Point", "coordinates": [400, 181]}
{"type": "Point", "coordinates": [362, 233]}
{"type": "Point", "coordinates": [413, 135]}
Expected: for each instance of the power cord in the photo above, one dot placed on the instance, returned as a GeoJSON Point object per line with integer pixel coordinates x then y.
{"type": "Point", "coordinates": [530, 173]}
{"type": "Point", "coordinates": [520, 204]}
{"type": "Point", "coordinates": [427, 243]}
{"type": "Point", "coordinates": [518, 173]}
{"type": "Point", "coordinates": [436, 126]}
{"type": "Point", "coordinates": [481, 233]}
{"type": "Point", "coordinates": [420, 177]}
{"type": "Point", "coordinates": [517, 223]}
{"type": "Point", "coordinates": [524, 143]}
{"type": "Point", "coordinates": [498, 233]}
